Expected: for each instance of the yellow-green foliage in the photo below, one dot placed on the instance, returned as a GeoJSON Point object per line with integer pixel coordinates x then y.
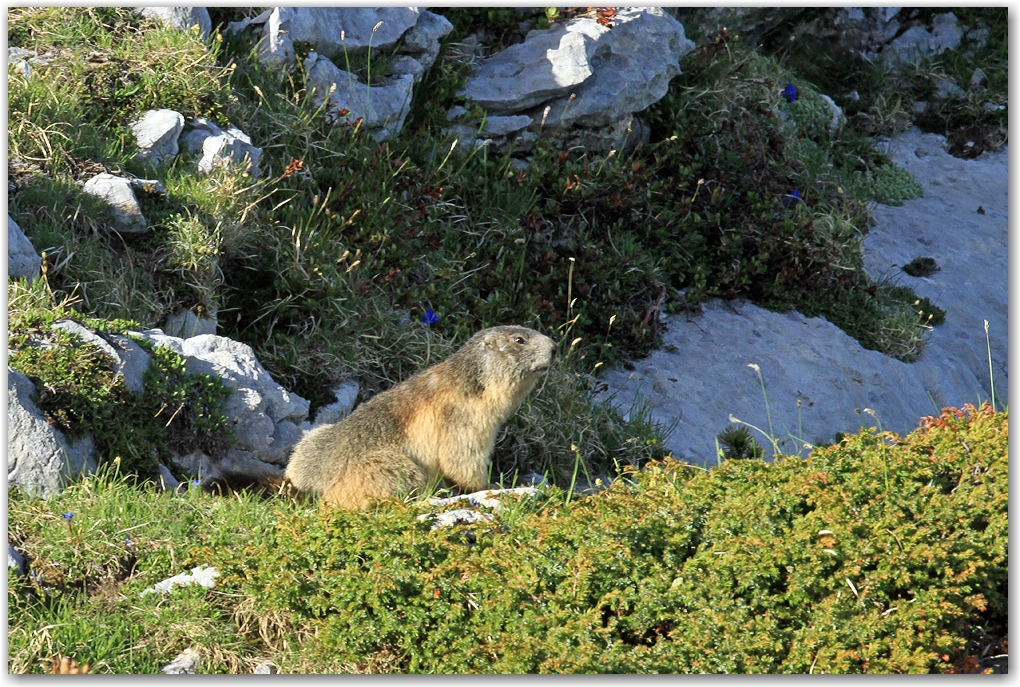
{"type": "Point", "coordinates": [872, 555]}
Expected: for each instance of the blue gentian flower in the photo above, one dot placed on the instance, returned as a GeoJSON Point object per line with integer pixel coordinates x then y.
{"type": "Point", "coordinates": [429, 317]}
{"type": "Point", "coordinates": [793, 197]}
{"type": "Point", "coordinates": [68, 516]}
{"type": "Point", "coordinates": [790, 92]}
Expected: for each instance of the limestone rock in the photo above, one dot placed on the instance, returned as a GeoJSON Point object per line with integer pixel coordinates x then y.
{"type": "Point", "coordinates": [167, 481]}
{"type": "Point", "coordinates": [333, 30]}
{"type": "Point", "coordinates": [265, 417]}
{"type": "Point", "coordinates": [382, 108]}
{"type": "Point", "coordinates": [422, 40]}
{"type": "Point", "coordinates": [124, 211]}
{"type": "Point", "coordinates": [970, 247]}
{"type": "Point", "coordinates": [546, 65]}
{"type": "Point", "coordinates": [156, 134]}
{"type": "Point", "coordinates": [130, 361]}
{"type": "Point", "coordinates": [40, 460]}
{"type": "Point", "coordinates": [580, 82]}
{"type": "Point", "coordinates": [22, 260]}
{"type": "Point", "coordinates": [637, 60]}
{"type": "Point", "coordinates": [346, 395]}
{"type": "Point", "coordinates": [183, 18]}
{"type": "Point", "coordinates": [946, 89]}
{"type": "Point", "coordinates": [219, 148]}
{"type": "Point", "coordinates": [501, 126]}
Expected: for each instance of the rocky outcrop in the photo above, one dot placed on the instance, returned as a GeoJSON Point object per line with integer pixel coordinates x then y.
{"type": "Point", "coordinates": [334, 32]}
{"type": "Point", "coordinates": [381, 109]}
{"type": "Point", "coordinates": [885, 33]}
{"type": "Point", "coordinates": [408, 36]}
{"type": "Point", "coordinates": [581, 81]}
{"type": "Point", "coordinates": [22, 260]}
{"type": "Point", "coordinates": [40, 460]}
{"type": "Point", "coordinates": [818, 380]}
{"type": "Point", "coordinates": [183, 18]}
{"type": "Point", "coordinates": [962, 224]}
{"type": "Point", "coordinates": [266, 418]}
{"type": "Point", "coordinates": [156, 133]}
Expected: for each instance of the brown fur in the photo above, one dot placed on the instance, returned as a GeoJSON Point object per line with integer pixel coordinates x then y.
{"type": "Point", "coordinates": [442, 421]}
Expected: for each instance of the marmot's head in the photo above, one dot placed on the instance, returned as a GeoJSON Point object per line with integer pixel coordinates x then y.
{"type": "Point", "coordinates": [520, 350]}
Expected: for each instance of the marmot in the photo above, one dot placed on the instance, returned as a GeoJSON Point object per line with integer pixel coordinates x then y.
{"type": "Point", "coordinates": [440, 422]}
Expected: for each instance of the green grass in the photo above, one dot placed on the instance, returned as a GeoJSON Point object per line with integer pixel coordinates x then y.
{"type": "Point", "coordinates": [878, 554]}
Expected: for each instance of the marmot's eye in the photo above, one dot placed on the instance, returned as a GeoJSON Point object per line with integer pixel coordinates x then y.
{"type": "Point", "coordinates": [521, 340]}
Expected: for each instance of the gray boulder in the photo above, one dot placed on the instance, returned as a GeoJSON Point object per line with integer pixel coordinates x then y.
{"type": "Point", "coordinates": [183, 18]}
{"type": "Point", "coordinates": [130, 361]}
{"type": "Point", "coordinates": [547, 64]}
{"type": "Point", "coordinates": [124, 211]}
{"type": "Point", "coordinates": [186, 663]}
{"type": "Point", "coordinates": [382, 108]}
{"type": "Point", "coordinates": [333, 31]}
{"type": "Point", "coordinates": [156, 134]}
{"type": "Point", "coordinates": [422, 40]}
{"type": "Point", "coordinates": [219, 148]}
{"type": "Point", "coordinates": [580, 82]}
{"type": "Point", "coordinates": [638, 59]}
{"type": "Point", "coordinates": [22, 260]}
{"type": "Point", "coordinates": [346, 395]}
{"type": "Point", "coordinates": [265, 417]}
{"type": "Point", "coordinates": [167, 481]}
{"type": "Point", "coordinates": [40, 460]}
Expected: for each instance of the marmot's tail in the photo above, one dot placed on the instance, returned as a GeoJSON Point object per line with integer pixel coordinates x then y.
{"type": "Point", "coordinates": [228, 481]}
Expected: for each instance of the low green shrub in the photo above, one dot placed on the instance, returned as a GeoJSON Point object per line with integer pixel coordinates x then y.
{"type": "Point", "coordinates": [873, 555]}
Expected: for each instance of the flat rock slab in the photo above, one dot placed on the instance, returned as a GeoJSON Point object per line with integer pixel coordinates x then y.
{"type": "Point", "coordinates": [702, 376]}
{"type": "Point", "coordinates": [961, 222]}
